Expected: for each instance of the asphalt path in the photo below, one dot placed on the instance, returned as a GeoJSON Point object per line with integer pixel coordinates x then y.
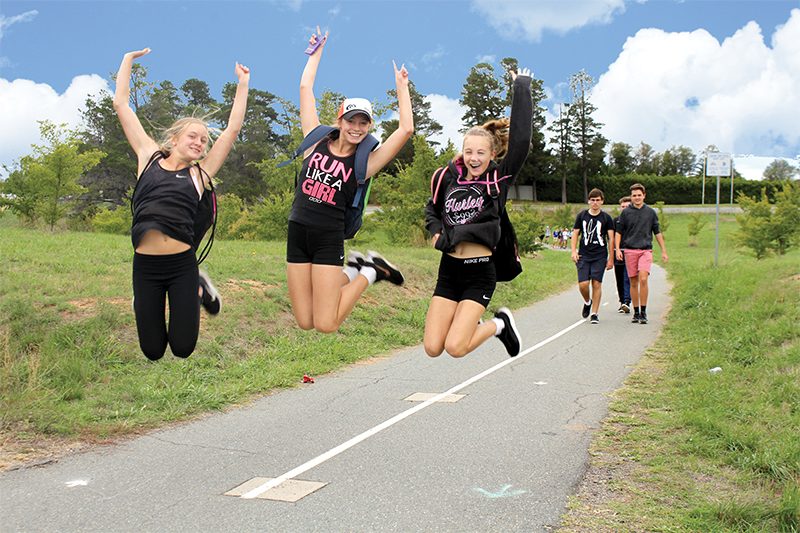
{"type": "Point", "coordinates": [504, 457]}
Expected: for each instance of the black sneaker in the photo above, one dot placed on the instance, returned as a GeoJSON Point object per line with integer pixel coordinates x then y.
{"type": "Point", "coordinates": [509, 336]}
{"type": "Point", "coordinates": [586, 309]}
{"type": "Point", "coordinates": [356, 259]}
{"type": "Point", "coordinates": [625, 308]}
{"type": "Point", "coordinates": [635, 318]}
{"type": "Point", "coordinates": [595, 319]}
{"type": "Point", "coordinates": [642, 318]}
{"type": "Point", "coordinates": [210, 299]}
{"type": "Point", "coordinates": [384, 269]}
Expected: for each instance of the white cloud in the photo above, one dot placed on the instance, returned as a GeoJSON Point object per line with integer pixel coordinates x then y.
{"type": "Point", "coordinates": [5, 22]}
{"type": "Point", "coordinates": [689, 89]}
{"type": "Point", "coordinates": [752, 167]}
{"type": "Point", "coordinates": [486, 59]}
{"type": "Point", "coordinates": [528, 20]}
{"type": "Point", "coordinates": [433, 55]}
{"type": "Point", "coordinates": [23, 102]}
{"type": "Point", "coordinates": [447, 112]}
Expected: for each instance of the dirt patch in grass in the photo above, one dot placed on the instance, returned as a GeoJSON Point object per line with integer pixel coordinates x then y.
{"type": "Point", "coordinates": [87, 307]}
{"type": "Point", "coordinates": [27, 452]}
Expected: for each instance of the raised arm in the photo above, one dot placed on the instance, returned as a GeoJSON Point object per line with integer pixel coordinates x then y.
{"type": "Point", "coordinates": [308, 104]}
{"type": "Point", "coordinates": [519, 134]}
{"type": "Point", "coordinates": [142, 144]}
{"type": "Point", "coordinates": [222, 146]}
{"type": "Point", "coordinates": [395, 142]}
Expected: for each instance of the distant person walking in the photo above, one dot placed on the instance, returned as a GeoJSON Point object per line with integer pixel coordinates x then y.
{"type": "Point", "coordinates": [634, 241]}
{"type": "Point", "coordinates": [620, 273]}
{"type": "Point", "coordinates": [595, 230]}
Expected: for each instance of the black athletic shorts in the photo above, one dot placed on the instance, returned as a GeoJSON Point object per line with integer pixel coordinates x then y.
{"type": "Point", "coordinates": [306, 244]}
{"type": "Point", "coordinates": [466, 279]}
{"type": "Point", "coordinates": [591, 269]}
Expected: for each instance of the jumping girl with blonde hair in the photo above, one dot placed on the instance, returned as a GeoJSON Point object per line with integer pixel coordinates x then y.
{"type": "Point", "coordinates": [463, 217]}
{"type": "Point", "coordinates": [173, 205]}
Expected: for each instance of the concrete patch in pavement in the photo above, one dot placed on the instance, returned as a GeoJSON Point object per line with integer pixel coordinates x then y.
{"type": "Point", "coordinates": [290, 490]}
{"type": "Point", "coordinates": [425, 396]}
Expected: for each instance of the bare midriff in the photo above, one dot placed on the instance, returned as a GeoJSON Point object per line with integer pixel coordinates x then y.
{"type": "Point", "coordinates": [156, 243]}
{"type": "Point", "coordinates": [466, 250]}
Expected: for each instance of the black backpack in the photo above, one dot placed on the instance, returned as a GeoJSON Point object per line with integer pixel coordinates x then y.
{"type": "Point", "coordinates": [354, 214]}
{"type": "Point", "coordinates": [506, 254]}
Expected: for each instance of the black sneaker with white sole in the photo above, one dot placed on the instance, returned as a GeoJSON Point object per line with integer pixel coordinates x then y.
{"type": "Point", "coordinates": [210, 300]}
{"type": "Point", "coordinates": [626, 308]}
{"type": "Point", "coordinates": [510, 335]}
{"type": "Point", "coordinates": [642, 318]}
{"type": "Point", "coordinates": [356, 259]}
{"type": "Point", "coordinates": [586, 309]}
{"type": "Point", "coordinates": [595, 319]}
{"type": "Point", "coordinates": [384, 269]}
{"type": "Point", "coordinates": [635, 318]}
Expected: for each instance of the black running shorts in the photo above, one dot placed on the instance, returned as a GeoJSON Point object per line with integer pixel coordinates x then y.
{"type": "Point", "coordinates": [591, 269]}
{"type": "Point", "coordinates": [318, 246]}
{"type": "Point", "coordinates": [466, 279]}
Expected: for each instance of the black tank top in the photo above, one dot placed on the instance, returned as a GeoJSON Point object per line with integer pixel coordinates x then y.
{"type": "Point", "coordinates": [167, 201]}
{"type": "Point", "coordinates": [325, 187]}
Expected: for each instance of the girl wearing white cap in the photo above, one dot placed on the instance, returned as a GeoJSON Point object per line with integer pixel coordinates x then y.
{"type": "Point", "coordinates": [323, 293]}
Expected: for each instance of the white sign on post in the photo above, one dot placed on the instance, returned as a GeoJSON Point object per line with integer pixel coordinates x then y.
{"type": "Point", "coordinates": [718, 164]}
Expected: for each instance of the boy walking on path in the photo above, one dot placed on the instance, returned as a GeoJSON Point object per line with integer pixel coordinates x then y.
{"type": "Point", "coordinates": [623, 282]}
{"type": "Point", "coordinates": [595, 229]}
{"type": "Point", "coordinates": [637, 225]}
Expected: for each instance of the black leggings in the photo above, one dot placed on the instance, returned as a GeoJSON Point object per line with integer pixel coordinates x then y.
{"type": "Point", "coordinates": [154, 277]}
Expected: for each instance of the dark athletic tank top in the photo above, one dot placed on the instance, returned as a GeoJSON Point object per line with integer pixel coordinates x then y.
{"type": "Point", "coordinates": [325, 187]}
{"type": "Point", "coordinates": [167, 201]}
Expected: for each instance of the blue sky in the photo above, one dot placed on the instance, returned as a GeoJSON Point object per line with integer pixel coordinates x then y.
{"type": "Point", "coordinates": [668, 72]}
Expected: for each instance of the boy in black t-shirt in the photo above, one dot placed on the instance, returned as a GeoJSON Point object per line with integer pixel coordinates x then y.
{"type": "Point", "coordinates": [595, 229]}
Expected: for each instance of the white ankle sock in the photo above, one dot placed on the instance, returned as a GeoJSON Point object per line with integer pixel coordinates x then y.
{"type": "Point", "coordinates": [587, 303]}
{"type": "Point", "coordinates": [351, 272]}
{"type": "Point", "coordinates": [369, 273]}
{"type": "Point", "coordinates": [500, 325]}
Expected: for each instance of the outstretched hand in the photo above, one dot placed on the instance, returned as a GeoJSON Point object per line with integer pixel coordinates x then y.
{"type": "Point", "coordinates": [316, 42]}
{"type": "Point", "coordinates": [136, 54]}
{"type": "Point", "coordinates": [521, 72]}
{"type": "Point", "coordinates": [242, 73]}
{"type": "Point", "coordinates": [401, 74]}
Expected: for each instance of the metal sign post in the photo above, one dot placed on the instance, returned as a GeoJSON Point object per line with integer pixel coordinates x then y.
{"type": "Point", "coordinates": [718, 164]}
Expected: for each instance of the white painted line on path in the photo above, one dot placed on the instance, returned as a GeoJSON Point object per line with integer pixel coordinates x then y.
{"type": "Point", "coordinates": [333, 452]}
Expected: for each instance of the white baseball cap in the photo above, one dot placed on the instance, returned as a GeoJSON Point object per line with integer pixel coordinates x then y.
{"type": "Point", "coordinates": [353, 106]}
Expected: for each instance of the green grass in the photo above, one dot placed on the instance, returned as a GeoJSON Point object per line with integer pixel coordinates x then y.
{"type": "Point", "coordinates": [690, 450]}
{"type": "Point", "coordinates": [72, 369]}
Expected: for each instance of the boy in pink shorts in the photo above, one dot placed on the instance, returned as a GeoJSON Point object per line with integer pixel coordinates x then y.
{"type": "Point", "coordinates": [637, 225]}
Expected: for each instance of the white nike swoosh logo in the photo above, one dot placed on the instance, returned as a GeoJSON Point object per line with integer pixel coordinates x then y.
{"type": "Point", "coordinates": [179, 176]}
{"type": "Point", "coordinates": [485, 297]}
{"type": "Point", "coordinates": [341, 257]}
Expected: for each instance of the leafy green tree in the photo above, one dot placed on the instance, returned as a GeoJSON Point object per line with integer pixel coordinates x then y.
{"type": "Point", "coordinates": [482, 96]}
{"type": "Point", "coordinates": [786, 218]}
{"type": "Point", "coordinates": [47, 183]}
{"type": "Point", "coordinates": [645, 159]}
{"type": "Point", "coordinates": [620, 157]}
{"type": "Point", "coordinates": [198, 98]}
{"type": "Point", "coordinates": [258, 141]}
{"type": "Point", "coordinates": [755, 224]}
{"type": "Point", "coordinates": [424, 125]}
{"type": "Point", "coordinates": [779, 170]}
{"type": "Point", "coordinates": [696, 225]}
{"type": "Point", "coordinates": [110, 180]}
